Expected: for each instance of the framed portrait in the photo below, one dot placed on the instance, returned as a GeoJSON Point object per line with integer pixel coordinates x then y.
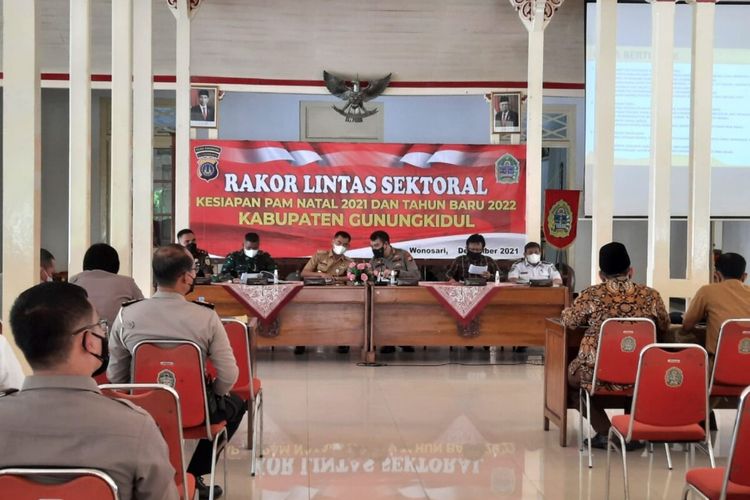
{"type": "Point", "coordinates": [204, 110]}
{"type": "Point", "coordinates": [506, 112]}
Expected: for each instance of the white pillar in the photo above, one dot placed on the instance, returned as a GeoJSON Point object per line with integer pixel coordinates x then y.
{"type": "Point", "coordinates": [534, 101]}
{"type": "Point", "coordinates": [182, 117]}
{"type": "Point", "coordinates": [604, 135]}
{"type": "Point", "coordinates": [120, 232]}
{"type": "Point", "coordinates": [143, 154]}
{"type": "Point", "coordinates": [79, 215]}
{"type": "Point", "coordinates": [22, 169]}
{"type": "Point", "coordinates": [699, 201]}
{"type": "Point", "coordinates": [660, 168]}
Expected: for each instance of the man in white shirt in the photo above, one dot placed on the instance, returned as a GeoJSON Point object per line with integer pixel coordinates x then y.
{"type": "Point", "coordinates": [532, 267]}
{"type": "Point", "coordinates": [11, 374]}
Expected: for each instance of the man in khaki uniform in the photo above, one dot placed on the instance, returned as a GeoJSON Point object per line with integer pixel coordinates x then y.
{"type": "Point", "coordinates": [331, 263]}
{"type": "Point", "coordinates": [167, 315]}
{"type": "Point", "coordinates": [60, 408]}
{"type": "Point", "coordinates": [387, 259]}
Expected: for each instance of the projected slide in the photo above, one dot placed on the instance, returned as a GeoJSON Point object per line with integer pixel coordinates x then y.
{"type": "Point", "coordinates": [730, 156]}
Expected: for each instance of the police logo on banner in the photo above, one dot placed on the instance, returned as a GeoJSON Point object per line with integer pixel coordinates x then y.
{"type": "Point", "coordinates": [166, 377]}
{"type": "Point", "coordinates": [208, 162]}
{"type": "Point", "coordinates": [744, 347]}
{"type": "Point", "coordinates": [673, 377]}
{"type": "Point", "coordinates": [507, 169]}
{"type": "Point", "coordinates": [560, 219]}
{"type": "Point", "coordinates": [627, 344]}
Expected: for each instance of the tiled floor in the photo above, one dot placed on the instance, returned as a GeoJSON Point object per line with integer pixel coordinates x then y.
{"type": "Point", "coordinates": [337, 430]}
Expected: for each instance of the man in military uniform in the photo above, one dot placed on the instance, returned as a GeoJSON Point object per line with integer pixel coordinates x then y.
{"type": "Point", "coordinates": [62, 337]}
{"type": "Point", "coordinates": [203, 264]}
{"type": "Point", "coordinates": [167, 315]}
{"type": "Point", "coordinates": [251, 259]}
{"type": "Point", "coordinates": [532, 267]}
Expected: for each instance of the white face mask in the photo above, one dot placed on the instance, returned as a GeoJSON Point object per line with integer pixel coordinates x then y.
{"type": "Point", "coordinates": [534, 258]}
{"type": "Point", "coordinates": [339, 249]}
{"type": "Point", "coordinates": [251, 253]}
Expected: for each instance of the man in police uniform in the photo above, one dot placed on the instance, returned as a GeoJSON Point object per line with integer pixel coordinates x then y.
{"type": "Point", "coordinates": [532, 267]}
{"type": "Point", "coordinates": [251, 259]}
{"type": "Point", "coordinates": [387, 259]}
{"type": "Point", "coordinates": [203, 264]}
{"type": "Point", "coordinates": [167, 315]}
{"type": "Point", "coordinates": [60, 408]}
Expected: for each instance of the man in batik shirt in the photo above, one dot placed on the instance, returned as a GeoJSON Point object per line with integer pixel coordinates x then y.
{"type": "Point", "coordinates": [616, 297]}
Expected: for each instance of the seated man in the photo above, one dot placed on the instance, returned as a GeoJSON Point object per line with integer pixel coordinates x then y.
{"type": "Point", "coordinates": [330, 264]}
{"type": "Point", "coordinates": [251, 259]}
{"type": "Point", "coordinates": [459, 268]}
{"type": "Point", "coordinates": [167, 315]}
{"type": "Point", "coordinates": [532, 267]}
{"type": "Point", "coordinates": [187, 238]}
{"type": "Point", "coordinates": [728, 298]}
{"type": "Point", "coordinates": [47, 269]}
{"type": "Point", "coordinates": [60, 419]}
{"type": "Point", "coordinates": [616, 297]}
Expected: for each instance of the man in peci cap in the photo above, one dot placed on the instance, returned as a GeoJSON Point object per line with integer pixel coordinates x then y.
{"type": "Point", "coordinates": [616, 297]}
{"type": "Point", "coordinates": [506, 117]}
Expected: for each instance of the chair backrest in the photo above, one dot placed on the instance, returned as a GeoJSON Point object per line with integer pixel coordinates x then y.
{"type": "Point", "coordinates": [179, 365]}
{"type": "Point", "coordinates": [618, 351]}
{"type": "Point", "coordinates": [671, 387]}
{"type": "Point", "coordinates": [732, 360]}
{"type": "Point", "coordinates": [163, 404]}
{"type": "Point", "coordinates": [738, 463]}
{"type": "Point", "coordinates": [239, 339]}
{"type": "Point", "coordinates": [23, 484]}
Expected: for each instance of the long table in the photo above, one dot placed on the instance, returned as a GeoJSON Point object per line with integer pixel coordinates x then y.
{"type": "Point", "coordinates": [412, 316]}
{"type": "Point", "coordinates": [325, 316]}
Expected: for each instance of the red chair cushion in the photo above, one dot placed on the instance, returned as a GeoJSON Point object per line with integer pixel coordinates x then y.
{"type": "Point", "coordinates": [709, 482]}
{"type": "Point", "coordinates": [244, 391]}
{"type": "Point", "coordinates": [602, 391]}
{"type": "Point", "coordinates": [646, 432]}
{"type": "Point", "coordinates": [199, 431]}
{"type": "Point", "coordinates": [727, 390]}
{"type": "Point", "coordinates": [190, 487]}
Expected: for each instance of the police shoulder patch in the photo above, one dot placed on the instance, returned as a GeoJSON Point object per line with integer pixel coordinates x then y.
{"type": "Point", "coordinates": [131, 302]}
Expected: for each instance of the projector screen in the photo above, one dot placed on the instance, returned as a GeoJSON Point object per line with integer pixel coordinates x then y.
{"type": "Point", "coordinates": [730, 150]}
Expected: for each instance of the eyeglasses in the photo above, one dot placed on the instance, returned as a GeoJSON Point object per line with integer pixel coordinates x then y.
{"type": "Point", "coordinates": [102, 324]}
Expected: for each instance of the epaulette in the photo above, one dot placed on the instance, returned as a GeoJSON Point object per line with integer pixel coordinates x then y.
{"type": "Point", "coordinates": [204, 304]}
{"type": "Point", "coordinates": [131, 302]}
{"type": "Point", "coordinates": [545, 262]}
{"type": "Point", "coordinates": [7, 392]}
{"type": "Point", "coordinates": [518, 261]}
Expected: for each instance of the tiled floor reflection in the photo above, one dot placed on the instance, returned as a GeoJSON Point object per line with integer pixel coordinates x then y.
{"type": "Point", "coordinates": [337, 430]}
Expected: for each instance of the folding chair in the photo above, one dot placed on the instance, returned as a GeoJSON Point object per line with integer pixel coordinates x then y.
{"type": "Point", "coordinates": [179, 364]}
{"type": "Point", "coordinates": [620, 343]}
{"type": "Point", "coordinates": [731, 370]}
{"type": "Point", "coordinates": [163, 404]}
{"type": "Point", "coordinates": [92, 484]}
{"type": "Point", "coordinates": [670, 402]}
{"type": "Point", "coordinates": [248, 386]}
{"type": "Point", "coordinates": [732, 481]}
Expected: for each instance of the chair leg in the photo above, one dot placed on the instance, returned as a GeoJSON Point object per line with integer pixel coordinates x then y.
{"type": "Point", "coordinates": [650, 447]}
{"type": "Point", "coordinates": [685, 491]}
{"type": "Point", "coordinates": [250, 423]}
{"type": "Point", "coordinates": [669, 456]}
{"type": "Point", "coordinates": [612, 431]}
{"type": "Point", "coordinates": [260, 426]}
{"type": "Point", "coordinates": [214, 455]}
{"type": "Point", "coordinates": [710, 447]}
{"type": "Point", "coordinates": [588, 428]}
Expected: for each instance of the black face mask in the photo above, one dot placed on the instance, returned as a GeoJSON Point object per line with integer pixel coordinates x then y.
{"type": "Point", "coordinates": [378, 253]}
{"type": "Point", "coordinates": [103, 357]}
{"type": "Point", "coordinates": [192, 248]}
{"type": "Point", "coordinates": [473, 255]}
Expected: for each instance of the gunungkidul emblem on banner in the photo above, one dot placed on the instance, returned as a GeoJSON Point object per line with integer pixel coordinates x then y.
{"type": "Point", "coordinates": [744, 347]}
{"type": "Point", "coordinates": [673, 377]}
{"type": "Point", "coordinates": [560, 219]}
{"type": "Point", "coordinates": [627, 344]}
{"type": "Point", "coordinates": [208, 162]}
{"type": "Point", "coordinates": [507, 169]}
{"type": "Point", "coordinates": [166, 377]}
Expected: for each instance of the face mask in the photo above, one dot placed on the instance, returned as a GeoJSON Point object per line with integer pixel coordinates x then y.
{"type": "Point", "coordinates": [251, 253]}
{"type": "Point", "coordinates": [378, 253]}
{"type": "Point", "coordinates": [473, 255]}
{"type": "Point", "coordinates": [103, 357]}
{"type": "Point", "coordinates": [339, 249]}
{"type": "Point", "coordinates": [192, 248]}
{"type": "Point", "coordinates": [49, 278]}
{"type": "Point", "coordinates": [534, 258]}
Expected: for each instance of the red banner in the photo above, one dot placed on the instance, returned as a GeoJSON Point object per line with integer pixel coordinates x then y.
{"type": "Point", "coordinates": [428, 197]}
{"type": "Point", "coordinates": [560, 217]}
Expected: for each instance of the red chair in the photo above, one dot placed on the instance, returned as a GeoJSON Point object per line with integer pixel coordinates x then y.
{"type": "Point", "coordinates": [732, 481]}
{"type": "Point", "coordinates": [179, 364]}
{"type": "Point", "coordinates": [731, 371]}
{"type": "Point", "coordinates": [670, 402]}
{"type": "Point", "coordinates": [92, 484]}
{"type": "Point", "coordinates": [620, 343]}
{"type": "Point", "coordinates": [248, 386]}
{"type": "Point", "coordinates": [163, 404]}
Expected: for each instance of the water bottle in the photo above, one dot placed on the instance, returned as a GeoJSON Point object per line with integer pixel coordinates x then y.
{"type": "Point", "coordinates": [497, 277]}
{"type": "Point", "coordinates": [275, 276]}
{"type": "Point", "coordinates": [393, 278]}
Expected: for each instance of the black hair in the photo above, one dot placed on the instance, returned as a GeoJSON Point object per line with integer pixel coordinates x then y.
{"type": "Point", "coordinates": [101, 256]}
{"type": "Point", "coordinates": [475, 238]}
{"type": "Point", "coordinates": [531, 244]}
{"type": "Point", "coordinates": [45, 257]}
{"type": "Point", "coordinates": [183, 232]}
{"type": "Point", "coordinates": [343, 234]}
{"type": "Point", "coordinates": [203, 92]}
{"type": "Point", "coordinates": [380, 235]}
{"type": "Point", "coordinates": [43, 318]}
{"type": "Point", "coordinates": [731, 265]}
{"type": "Point", "coordinates": [169, 263]}
{"type": "Point", "coordinates": [252, 237]}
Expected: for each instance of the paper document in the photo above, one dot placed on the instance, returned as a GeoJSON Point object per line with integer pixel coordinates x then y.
{"type": "Point", "coordinates": [477, 269]}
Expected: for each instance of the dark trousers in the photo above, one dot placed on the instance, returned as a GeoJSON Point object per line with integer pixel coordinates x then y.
{"type": "Point", "coordinates": [599, 419]}
{"type": "Point", "coordinates": [231, 409]}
